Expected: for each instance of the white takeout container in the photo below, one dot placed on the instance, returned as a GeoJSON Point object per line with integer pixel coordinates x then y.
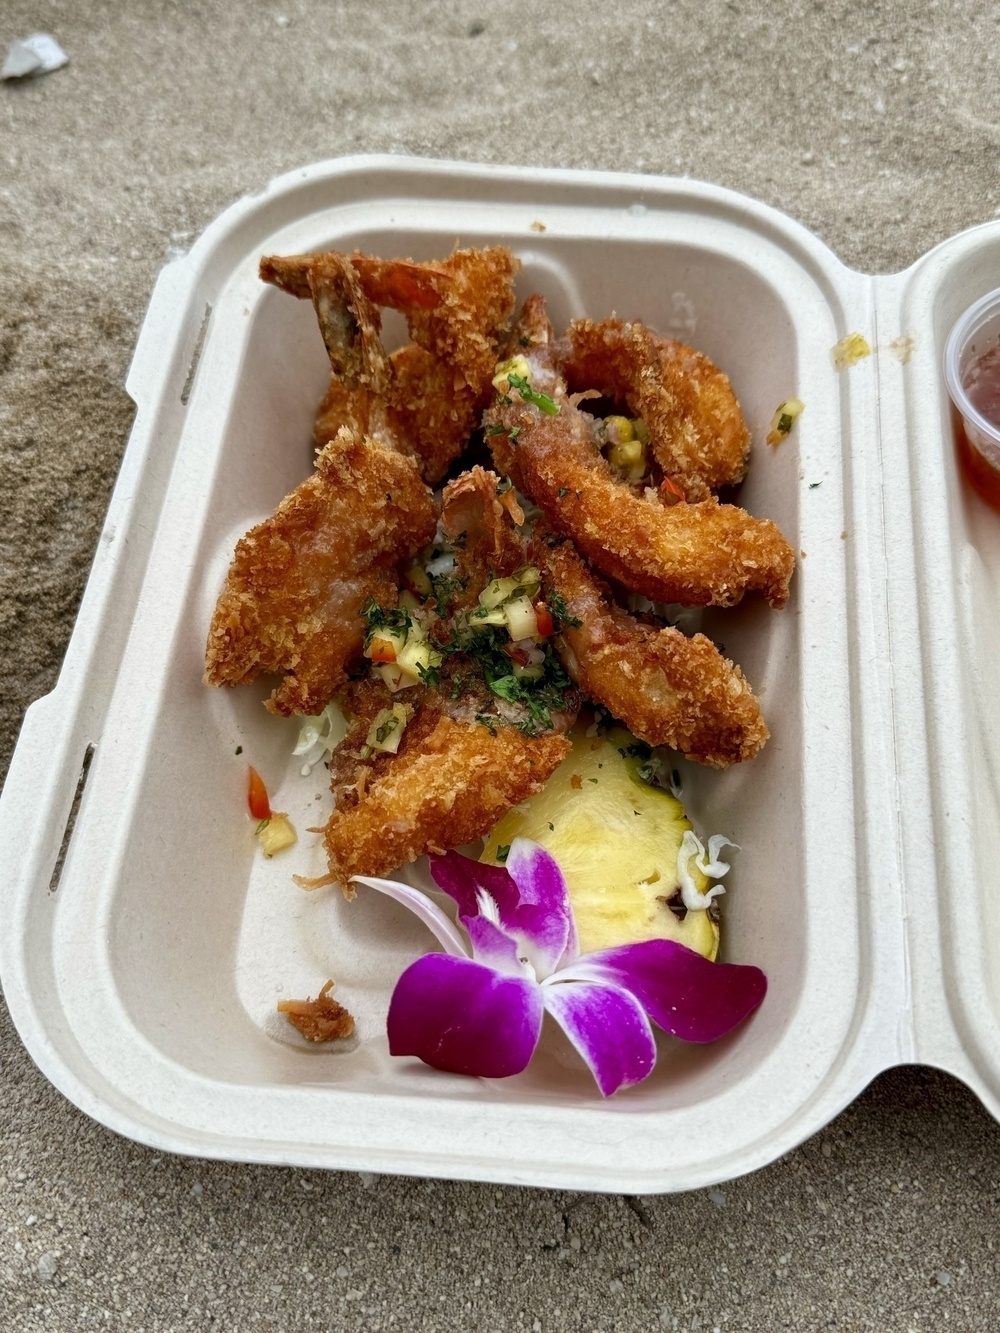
{"type": "Point", "coordinates": [142, 971]}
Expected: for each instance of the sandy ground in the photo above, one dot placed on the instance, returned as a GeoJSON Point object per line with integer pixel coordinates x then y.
{"type": "Point", "coordinates": [877, 126]}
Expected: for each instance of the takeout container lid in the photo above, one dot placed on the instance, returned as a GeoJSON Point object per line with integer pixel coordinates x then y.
{"type": "Point", "coordinates": [144, 944]}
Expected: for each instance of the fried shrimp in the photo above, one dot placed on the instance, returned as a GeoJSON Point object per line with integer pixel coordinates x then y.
{"type": "Point", "coordinates": [695, 554]}
{"type": "Point", "coordinates": [449, 784]}
{"type": "Point", "coordinates": [292, 597]}
{"type": "Point", "coordinates": [696, 429]}
{"type": "Point", "coordinates": [667, 688]}
{"type": "Point", "coordinates": [481, 530]}
{"type": "Point", "coordinates": [427, 398]}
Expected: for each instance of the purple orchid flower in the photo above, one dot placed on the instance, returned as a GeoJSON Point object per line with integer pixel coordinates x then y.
{"type": "Point", "coordinates": [478, 1007]}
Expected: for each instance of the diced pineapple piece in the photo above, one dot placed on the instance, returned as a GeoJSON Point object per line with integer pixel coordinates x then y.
{"type": "Point", "coordinates": [627, 454]}
{"type": "Point", "coordinates": [522, 621]}
{"type": "Point", "coordinates": [516, 365]}
{"type": "Point", "coordinates": [497, 592]}
{"type": "Point", "coordinates": [395, 677]}
{"type": "Point", "coordinates": [386, 730]}
{"type": "Point", "coordinates": [276, 833]}
{"type": "Point", "coordinates": [417, 657]}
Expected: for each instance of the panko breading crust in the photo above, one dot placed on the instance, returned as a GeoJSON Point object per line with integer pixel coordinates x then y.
{"type": "Point", "coordinates": [667, 688]}
{"type": "Point", "coordinates": [292, 598]}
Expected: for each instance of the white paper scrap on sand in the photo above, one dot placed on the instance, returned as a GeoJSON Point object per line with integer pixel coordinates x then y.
{"type": "Point", "coordinates": [38, 54]}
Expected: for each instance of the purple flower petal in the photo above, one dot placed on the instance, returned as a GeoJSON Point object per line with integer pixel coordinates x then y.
{"type": "Point", "coordinates": [609, 1029]}
{"type": "Point", "coordinates": [532, 902]}
{"type": "Point", "coordinates": [460, 1016]}
{"type": "Point", "coordinates": [425, 908]}
{"type": "Point", "coordinates": [545, 919]}
{"type": "Point", "coordinates": [680, 990]}
{"type": "Point", "coordinates": [539, 880]}
{"type": "Point", "coordinates": [462, 879]}
{"type": "Point", "coordinates": [492, 946]}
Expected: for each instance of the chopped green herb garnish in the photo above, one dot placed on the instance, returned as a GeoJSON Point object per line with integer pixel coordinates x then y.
{"type": "Point", "coordinates": [506, 687]}
{"type": "Point", "coordinates": [393, 618]}
{"type": "Point", "coordinates": [386, 729]}
{"type": "Point", "coordinates": [593, 780]}
{"type": "Point", "coordinates": [556, 603]}
{"type": "Point", "coordinates": [523, 341]}
{"type": "Point", "coordinates": [563, 490]}
{"type": "Point", "coordinates": [529, 395]}
{"type": "Point", "coordinates": [503, 852]}
{"type": "Point", "coordinates": [262, 825]}
{"type": "Point", "coordinates": [552, 828]}
{"type": "Point", "coordinates": [446, 588]}
{"type": "Point", "coordinates": [429, 676]}
{"type": "Point", "coordinates": [513, 433]}
{"type": "Point", "coordinates": [239, 749]}
{"type": "Point", "coordinates": [504, 485]}
{"type": "Point", "coordinates": [814, 484]}
{"type": "Point", "coordinates": [496, 430]}
{"type": "Point", "coordinates": [488, 721]}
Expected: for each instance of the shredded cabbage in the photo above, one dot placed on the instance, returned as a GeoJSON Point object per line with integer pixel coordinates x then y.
{"type": "Point", "coordinates": [320, 736]}
{"type": "Point", "coordinates": [707, 862]}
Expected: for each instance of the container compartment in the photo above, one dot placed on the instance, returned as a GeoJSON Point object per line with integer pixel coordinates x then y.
{"type": "Point", "coordinates": [954, 817]}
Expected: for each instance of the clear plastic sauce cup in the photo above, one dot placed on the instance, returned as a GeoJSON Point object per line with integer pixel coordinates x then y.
{"type": "Point", "coordinates": [972, 373]}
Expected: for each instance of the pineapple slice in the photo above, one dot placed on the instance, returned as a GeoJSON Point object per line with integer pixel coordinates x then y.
{"type": "Point", "coordinates": [616, 839]}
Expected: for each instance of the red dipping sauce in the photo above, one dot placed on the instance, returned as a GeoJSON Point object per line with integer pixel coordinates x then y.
{"type": "Point", "coordinates": [981, 382]}
{"type": "Point", "coordinates": [972, 374]}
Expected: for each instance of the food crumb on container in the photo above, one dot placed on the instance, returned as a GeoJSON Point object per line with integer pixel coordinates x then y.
{"type": "Point", "coordinates": [850, 350]}
{"type": "Point", "coordinates": [322, 1019]}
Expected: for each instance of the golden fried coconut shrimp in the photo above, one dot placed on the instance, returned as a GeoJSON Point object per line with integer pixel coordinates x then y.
{"type": "Point", "coordinates": [432, 393]}
{"type": "Point", "coordinates": [695, 554]}
{"type": "Point", "coordinates": [294, 590]}
{"type": "Point", "coordinates": [667, 688]}
{"type": "Point", "coordinates": [449, 784]}
{"type": "Point", "coordinates": [476, 302]}
{"type": "Point", "coordinates": [696, 429]}
{"type": "Point", "coordinates": [482, 531]}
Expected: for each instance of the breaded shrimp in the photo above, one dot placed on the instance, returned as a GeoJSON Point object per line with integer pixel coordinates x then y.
{"type": "Point", "coordinates": [697, 433]}
{"type": "Point", "coordinates": [486, 542]}
{"type": "Point", "coordinates": [667, 688]}
{"type": "Point", "coordinates": [293, 594]}
{"type": "Point", "coordinates": [695, 554]}
{"type": "Point", "coordinates": [433, 391]}
{"type": "Point", "coordinates": [449, 784]}
{"type": "Point", "coordinates": [465, 326]}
